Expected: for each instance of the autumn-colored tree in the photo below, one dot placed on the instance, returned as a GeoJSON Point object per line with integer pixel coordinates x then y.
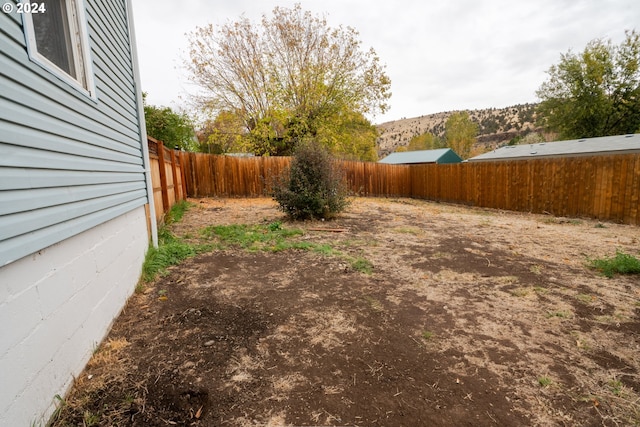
{"type": "Point", "coordinates": [426, 141]}
{"type": "Point", "coordinates": [349, 136]}
{"type": "Point", "coordinates": [460, 133]}
{"type": "Point", "coordinates": [224, 134]}
{"type": "Point", "coordinates": [289, 76]}
{"type": "Point", "coordinates": [594, 93]}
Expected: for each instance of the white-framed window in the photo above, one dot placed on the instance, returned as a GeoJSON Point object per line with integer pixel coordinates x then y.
{"type": "Point", "coordinates": [56, 33]}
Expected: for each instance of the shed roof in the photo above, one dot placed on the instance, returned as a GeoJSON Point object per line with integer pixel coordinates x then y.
{"type": "Point", "coordinates": [619, 144]}
{"type": "Point", "coordinates": [440, 155]}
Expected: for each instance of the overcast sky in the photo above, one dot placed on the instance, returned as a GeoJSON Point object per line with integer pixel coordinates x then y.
{"type": "Point", "coordinates": [440, 55]}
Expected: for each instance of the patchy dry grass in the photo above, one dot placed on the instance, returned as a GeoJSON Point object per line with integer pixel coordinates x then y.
{"type": "Point", "coordinates": [394, 321]}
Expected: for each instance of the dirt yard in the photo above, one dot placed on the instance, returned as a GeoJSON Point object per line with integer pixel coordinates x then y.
{"type": "Point", "coordinates": [469, 317]}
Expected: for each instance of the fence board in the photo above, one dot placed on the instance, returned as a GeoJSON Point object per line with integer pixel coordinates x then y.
{"type": "Point", "coordinates": [174, 175]}
{"type": "Point", "coordinates": [517, 188]}
{"type": "Point", "coordinates": [634, 217]}
{"type": "Point", "coordinates": [570, 189]}
{"type": "Point", "coordinates": [617, 191]}
{"type": "Point", "coordinates": [596, 209]}
{"type": "Point", "coordinates": [163, 176]}
{"type": "Point", "coordinates": [627, 189]}
{"type": "Point", "coordinates": [157, 188]}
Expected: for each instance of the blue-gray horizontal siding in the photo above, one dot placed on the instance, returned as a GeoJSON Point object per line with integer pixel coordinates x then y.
{"type": "Point", "coordinates": [31, 201]}
{"type": "Point", "coordinates": [56, 233]}
{"type": "Point", "coordinates": [68, 162]}
{"type": "Point", "coordinates": [25, 178]}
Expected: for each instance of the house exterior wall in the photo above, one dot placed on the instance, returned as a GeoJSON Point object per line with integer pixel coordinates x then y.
{"type": "Point", "coordinates": [73, 186]}
{"type": "Point", "coordinates": [68, 161]}
{"type": "Point", "coordinates": [56, 306]}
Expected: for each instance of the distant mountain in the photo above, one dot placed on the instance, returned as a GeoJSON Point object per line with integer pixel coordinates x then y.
{"type": "Point", "coordinates": [496, 126]}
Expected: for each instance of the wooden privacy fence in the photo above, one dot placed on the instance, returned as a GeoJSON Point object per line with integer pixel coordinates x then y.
{"type": "Point", "coordinates": [378, 179]}
{"type": "Point", "coordinates": [167, 177]}
{"type": "Point", "coordinates": [210, 175]}
{"type": "Point", "coordinates": [603, 187]}
{"type": "Point", "coordinates": [227, 176]}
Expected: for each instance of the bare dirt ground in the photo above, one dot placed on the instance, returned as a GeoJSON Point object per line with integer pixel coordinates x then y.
{"type": "Point", "coordinates": [470, 317]}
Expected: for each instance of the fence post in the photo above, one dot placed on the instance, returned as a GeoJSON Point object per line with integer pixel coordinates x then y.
{"type": "Point", "coordinates": [185, 167]}
{"type": "Point", "coordinates": [176, 190]}
{"type": "Point", "coordinates": [163, 177]}
{"type": "Point", "coordinates": [183, 175]}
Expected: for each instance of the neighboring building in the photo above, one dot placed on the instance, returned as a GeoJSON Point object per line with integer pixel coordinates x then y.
{"type": "Point", "coordinates": [606, 145]}
{"type": "Point", "coordinates": [440, 156]}
{"type": "Point", "coordinates": [73, 190]}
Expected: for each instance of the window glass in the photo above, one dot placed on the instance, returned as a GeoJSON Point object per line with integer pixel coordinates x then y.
{"type": "Point", "coordinates": [57, 40]}
{"type": "Point", "coordinates": [53, 38]}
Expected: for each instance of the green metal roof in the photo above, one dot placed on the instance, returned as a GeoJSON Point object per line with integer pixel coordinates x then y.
{"type": "Point", "coordinates": [441, 155]}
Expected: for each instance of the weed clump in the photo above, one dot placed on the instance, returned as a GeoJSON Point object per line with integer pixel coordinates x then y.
{"type": "Point", "coordinates": [620, 264]}
{"type": "Point", "coordinates": [544, 381]}
{"type": "Point", "coordinates": [177, 211]}
{"type": "Point", "coordinates": [313, 187]}
{"type": "Point", "coordinates": [272, 237]}
{"type": "Point", "coordinates": [171, 250]}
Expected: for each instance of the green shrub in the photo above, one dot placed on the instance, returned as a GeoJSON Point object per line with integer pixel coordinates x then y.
{"type": "Point", "coordinates": [313, 187]}
{"type": "Point", "coordinates": [622, 264]}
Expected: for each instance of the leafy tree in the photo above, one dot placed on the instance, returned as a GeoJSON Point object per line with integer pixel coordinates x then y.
{"type": "Point", "coordinates": [349, 136]}
{"type": "Point", "coordinates": [594, 93]}
{"type": "Point", "coordinates": [173, 129]}
{"type": "Point", "coordinates": [426, 141]}
{"type": "Point", "coordinates": [530, 138]}
{"type": "Point", "coordinates": [460, 133]}
{"type": "Point", "coordinates": [526, 113]}
{"type": "Point", "coordinates": [224, 134]}
{"type": "Point", "coordinates": [314, 186]}
{"type": "Point", "coordinates": [290, 76]}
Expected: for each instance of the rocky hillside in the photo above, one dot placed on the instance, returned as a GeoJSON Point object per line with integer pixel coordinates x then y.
{"type": "Point", "coordinates": [496, 126]}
